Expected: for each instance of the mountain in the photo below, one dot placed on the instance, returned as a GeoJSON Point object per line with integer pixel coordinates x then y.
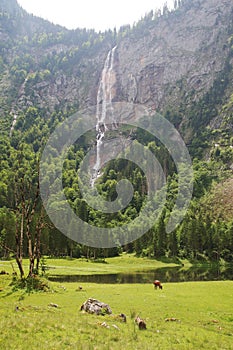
{"type": "Point", "coordinates": [43, 64]}
{"type": "Point", "coordinates": [161, 60]}
{"type": "Point", "coordinates": [177, 63]}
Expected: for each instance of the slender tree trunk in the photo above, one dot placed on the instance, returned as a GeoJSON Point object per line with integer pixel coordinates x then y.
{"type": "Point", "coordinates": [31, 257]}
{"type": "Point", "coordinates": [19, 246]}
{"type": "Point", "coordinates": [31, 266]}
{"type": "Point", "coordinates": [37, 262]}
{"type": "Point", "coordinates": [26, 198]}
{"type": "Point", "coordinates": [31, 246]}
{"type": "Point", "coordinates": [30, 252]}
{"type": "Point", "coordinates": [37, 246]}
{"type": "Point", "coordinates": [21, 239]}
{"type": "Point", "coordinates": [20, 266]}
{"type": "Point", "coordinates": [38, 254]}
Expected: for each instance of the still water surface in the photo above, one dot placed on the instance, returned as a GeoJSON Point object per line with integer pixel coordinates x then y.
{"type": "Point", "coordinates": [168, 274]}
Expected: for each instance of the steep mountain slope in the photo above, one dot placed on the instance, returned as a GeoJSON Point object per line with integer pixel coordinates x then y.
{"type": "Point", "coordinates": [46, 65]}
{"type": "Point", "coordinates": [161, 61]}
{"type": "Point", "coordinates": [179, 53]}
{"type": "Point", "coordinates": [179, 64]}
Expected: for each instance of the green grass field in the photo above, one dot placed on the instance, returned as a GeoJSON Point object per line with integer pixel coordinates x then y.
{"type": "Point", "coordinates": [122, 264]}
{"type": "Point", "coordinates": [203, 313]}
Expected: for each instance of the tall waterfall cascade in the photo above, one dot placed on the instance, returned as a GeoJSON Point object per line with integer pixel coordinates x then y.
{"type": "Point", "coordinates": [104, 108]}
{"type": "Point", "coordinates": [13, 125]}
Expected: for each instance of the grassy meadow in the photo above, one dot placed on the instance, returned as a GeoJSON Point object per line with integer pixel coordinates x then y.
{"type": "Point", "coordinates": [202, 312]}
{"type": "Point", "coordinates": [121, 264]}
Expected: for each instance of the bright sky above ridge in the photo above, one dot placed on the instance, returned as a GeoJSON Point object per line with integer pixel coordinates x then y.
{"type": "Point", "coordinates": [97, 14]}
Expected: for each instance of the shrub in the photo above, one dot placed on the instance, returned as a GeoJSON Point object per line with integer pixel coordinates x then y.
{"type": "Point", "coordinates": [30, 284]}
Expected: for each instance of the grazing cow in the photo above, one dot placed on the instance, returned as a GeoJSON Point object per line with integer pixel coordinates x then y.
{"type": "Point", "coordinates": [157, 284]}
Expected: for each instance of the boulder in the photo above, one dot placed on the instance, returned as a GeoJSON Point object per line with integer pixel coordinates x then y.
{"type": "Point", "coordinates": [140, 322]}
{"type": "Point", "coordinates": [97, 307]}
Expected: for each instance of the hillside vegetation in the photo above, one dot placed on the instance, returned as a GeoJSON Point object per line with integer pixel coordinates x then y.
{"type": "Point", "coordinates": [47, 73]}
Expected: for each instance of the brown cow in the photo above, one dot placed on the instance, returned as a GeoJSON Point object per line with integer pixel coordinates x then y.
{"type": "Point", "coordinates": [157, 284]}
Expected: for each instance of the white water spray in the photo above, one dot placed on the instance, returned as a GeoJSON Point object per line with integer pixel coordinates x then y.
{"type": "Point", "coordinates": [13, 124]}
{"type": "Point", "coordinates": [104, 106]}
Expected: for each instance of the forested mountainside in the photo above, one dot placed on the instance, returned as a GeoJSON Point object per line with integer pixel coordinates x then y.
{"type": "Point", "coordinates": [177, 63]}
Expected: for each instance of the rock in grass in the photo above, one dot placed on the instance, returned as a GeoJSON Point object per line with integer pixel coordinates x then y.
{"type": "Point", "coordinates": [140, 322]}
{"type": "Point", "coordinates": [80, 288]}
{"type": "Point", "coordinates": [172, 319]}
{"type": "Point", "coordinates": [53, 305]}
{"type": "Point", "coordinates": [104, 324]}
{"type": "Point", "coordinates": [97, 307]}
{"type": "Point", "coordinates": [116, 327]}
{"type": "Point", "coordinates": [121, 317]}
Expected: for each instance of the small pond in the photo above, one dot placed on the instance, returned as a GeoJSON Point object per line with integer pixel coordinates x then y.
{"type": "Point", "coordinates": [168, 274]}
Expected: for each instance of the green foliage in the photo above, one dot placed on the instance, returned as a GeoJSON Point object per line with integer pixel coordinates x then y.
{"type": "Point", "coordinates": [30, 284]}
{"type": "Point", "coordinates": [39, 52]}
{"type": "Point", "coordinates": [7, 231]}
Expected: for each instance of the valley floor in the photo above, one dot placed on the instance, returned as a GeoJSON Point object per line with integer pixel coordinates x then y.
{"type": "Point", "coordinates": [202, 313]}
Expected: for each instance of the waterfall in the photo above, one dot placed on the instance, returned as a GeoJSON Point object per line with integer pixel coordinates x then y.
{"type": "Point", "coordinates": [13, 124]}
{"type": "Point", "coordinates": [104, 108]}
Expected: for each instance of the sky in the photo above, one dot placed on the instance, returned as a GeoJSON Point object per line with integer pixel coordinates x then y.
{"type": "Point", "coordinates": [92, 14]}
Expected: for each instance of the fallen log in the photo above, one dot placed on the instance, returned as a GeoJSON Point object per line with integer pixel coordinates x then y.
{"type": "Point", "coordinates": [172, 319]}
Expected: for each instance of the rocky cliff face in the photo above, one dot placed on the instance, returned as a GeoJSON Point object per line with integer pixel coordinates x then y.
{"type": "Point", "coordinates": [175, 56]}
{"type": "Point", "coordinates": [180, 53]}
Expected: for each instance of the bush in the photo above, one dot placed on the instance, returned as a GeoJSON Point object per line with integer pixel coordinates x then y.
{"type": "Point", "coordinates": [30, 284]}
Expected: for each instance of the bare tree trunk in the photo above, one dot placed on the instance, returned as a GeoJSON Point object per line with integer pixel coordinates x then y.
{"type": "Point", "coordinates": [19, 246]}
{"type": "Point", "coordinates": [37, 248]}
{"type": "Point", "coordinates": [20, 266]}
{"type": "Point", "coordinates": [38, 262]}
{"type": "Point", "coordinates": [26, 198]}
{"type": "Point", "coordinates": [31, 251]}
{"type": "Point", "coordinates": [37, 253]}
{"type": "Point", "coordinates": [41, 223]}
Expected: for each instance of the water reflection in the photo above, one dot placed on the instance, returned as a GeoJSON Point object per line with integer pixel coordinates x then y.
{"type": "Point", "coordinates": [171, 274]}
